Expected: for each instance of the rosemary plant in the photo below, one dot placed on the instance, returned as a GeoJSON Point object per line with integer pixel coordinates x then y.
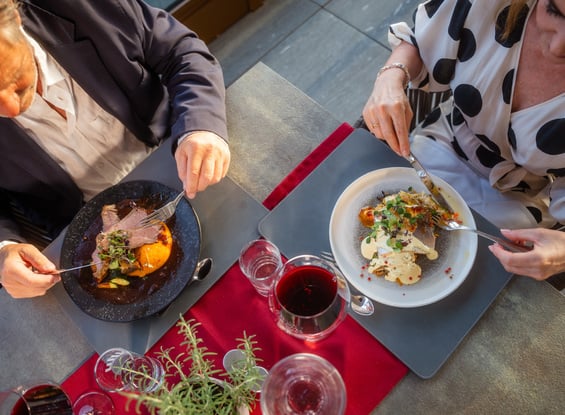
{"type": "Point", "coordinates": [194, 386]}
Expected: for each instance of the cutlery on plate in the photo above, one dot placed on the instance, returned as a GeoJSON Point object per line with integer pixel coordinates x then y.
{"type": "Point", "coordinates": [429, 183]}
{"type": "Point", "coordinates": [60, 271]}
{"type": "Point", "coordinates": [360, 304]}
{"type": "Point", "coordinates": [452, 225]}
{"type": "Point", "coordinates": [161, 214]}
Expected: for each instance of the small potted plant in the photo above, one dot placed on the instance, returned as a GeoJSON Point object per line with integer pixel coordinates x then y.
{"type": "Point", "coordinates": [194, 386]}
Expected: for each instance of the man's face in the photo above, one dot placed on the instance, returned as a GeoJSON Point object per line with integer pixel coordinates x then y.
{"type": "Point", "coordinates": [18, 74]}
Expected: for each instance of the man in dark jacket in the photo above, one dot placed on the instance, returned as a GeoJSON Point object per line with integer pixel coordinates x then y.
{"type": "Point", "coordinates": [87, 90]}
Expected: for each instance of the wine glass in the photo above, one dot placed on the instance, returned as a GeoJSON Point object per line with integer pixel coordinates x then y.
{"type": "Point", "coordinates": [118, 369]}
{"type": "Point", "coordinates": [94, 403]}
{"type": "Point", "coordinates": [309, 298]}
{"type": "Point", "coordinates": [303, 384]}
{"type": "Point", "coordinates": [35, 398]}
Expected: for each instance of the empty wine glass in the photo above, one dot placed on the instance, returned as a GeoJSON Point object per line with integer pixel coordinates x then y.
{"type": "Point", "coordinates": [303, 384]}
{"type": "Point", "coordinates": [118, 369]}
{"type": "Point", "coordinates": [94, 403]}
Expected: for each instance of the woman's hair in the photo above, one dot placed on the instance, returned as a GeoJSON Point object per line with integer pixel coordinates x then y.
{"type": "Point", "coordinates": [514, 12]}
{"type": "Point", "coordinates": [9, 23]}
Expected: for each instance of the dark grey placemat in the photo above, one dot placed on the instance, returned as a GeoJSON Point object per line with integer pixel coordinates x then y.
{"type": "Point", "coordinates": [424, 337]}
{"type": "Point", "coordinates": [228, 218]}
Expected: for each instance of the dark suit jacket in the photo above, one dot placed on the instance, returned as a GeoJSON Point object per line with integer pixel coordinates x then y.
{"type": "Point", "coordinates": [138, 63]}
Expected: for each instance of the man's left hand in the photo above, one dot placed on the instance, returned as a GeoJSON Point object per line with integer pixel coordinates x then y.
{"type": "Point", "coordinates": [202, 159]}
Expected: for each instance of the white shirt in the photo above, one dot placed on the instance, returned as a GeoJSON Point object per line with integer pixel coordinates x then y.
{"type": "Point", "coordinates": [91, 145]}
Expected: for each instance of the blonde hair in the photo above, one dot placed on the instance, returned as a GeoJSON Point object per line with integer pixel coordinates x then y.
{"type": "Point", "coordinates": [9, 23]}
{"type": "Point", "coordinates": [514, 12]}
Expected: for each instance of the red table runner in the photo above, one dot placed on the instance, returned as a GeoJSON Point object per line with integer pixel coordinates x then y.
{"type": "Point", "coordinates": [232, 306]}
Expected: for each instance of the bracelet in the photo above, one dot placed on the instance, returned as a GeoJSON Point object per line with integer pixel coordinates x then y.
{"type": "Point", "coordinates": [398, 66]}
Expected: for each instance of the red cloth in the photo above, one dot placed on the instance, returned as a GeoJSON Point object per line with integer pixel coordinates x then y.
{"type": "Point", "coordinates": [232, 306]}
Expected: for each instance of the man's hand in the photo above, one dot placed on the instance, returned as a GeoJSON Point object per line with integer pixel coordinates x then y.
{"type": "Point", "coordinates": [17, 275]}
{"type": "Point", "coordinates": [202, 159]}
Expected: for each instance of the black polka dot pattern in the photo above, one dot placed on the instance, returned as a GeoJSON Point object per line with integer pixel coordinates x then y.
{"type": "Point", "coordinates": [511, 137]}
{"type": "Point", "coordinates": [468, 99]}
{"type": "Point", "coordinates": [491, 145]}
{"type": "Point", "coordinates": [444, 70]}
{"type": "Point", "coordinates": [458, 19]}
{"type": "Point", "coordinates": [432, 117]}
{"type": "Point", "coordinates": [487, 157]}
{"type": "Point", "coordinates": [467, 46]}
{"type": "Point", "coordinates": [536, 213]}
{"type": "Point", "coordinates": [462, 46]}
{"type": "Point", "coordinates": [551, 137]}
{"type": "Point", "coordinates": [557, 172]}
{"type": "Point", "coordinates": [458, 149]}
{"type": "Point", "coordinates": [507, 86]}
{"type": "Point", "coordinates": [432, 6]}
{"type": "Point", "coordinates": [516, 34]}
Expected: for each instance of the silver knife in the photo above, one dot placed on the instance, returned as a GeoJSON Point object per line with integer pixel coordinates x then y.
{"type": "Point", "coordinates": [60, 271]}
{"type": "Point", "coordinates": [429, 183]}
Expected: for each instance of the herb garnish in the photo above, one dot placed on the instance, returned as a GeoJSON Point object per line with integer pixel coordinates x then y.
{"type": "Point", "coordinates": [117, 251]}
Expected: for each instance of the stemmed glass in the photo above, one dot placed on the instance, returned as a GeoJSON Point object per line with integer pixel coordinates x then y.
{"type": "Point", "coordinates": [118, 369]}
{"type": "Point", "coordinates": [303, 384]}
{"type": "Point", "coordinates": [35, 398]}
{"type": "Point", "coordinates": [310, 297]}
{"type": "Point", "coordinates": [94, 403]}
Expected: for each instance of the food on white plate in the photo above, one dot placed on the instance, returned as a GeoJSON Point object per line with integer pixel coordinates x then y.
{"type": "Point", "coordinates": [125, 250]}
{"type": "Point", "coordinates": [402, 226]}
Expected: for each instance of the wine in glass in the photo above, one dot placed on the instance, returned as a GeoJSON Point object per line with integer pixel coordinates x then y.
{"type": "Point", "coordinates": [35, 398]}
{"type": "Point", "coordinates": [303, 384]}
{"type": "Point", "coordinates": [310, 297]}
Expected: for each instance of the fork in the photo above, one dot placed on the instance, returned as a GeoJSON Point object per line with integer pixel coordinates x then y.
{"type": "Point", "coordinates": [452, 225]}
{"type": "Point", "coordinates": [361, 304]}
{"type": "Point", "coordinates": [161, 214]}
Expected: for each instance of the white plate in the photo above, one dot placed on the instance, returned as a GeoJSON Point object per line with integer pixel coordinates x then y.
{"type": "Point", "coordinates": [457, 249]}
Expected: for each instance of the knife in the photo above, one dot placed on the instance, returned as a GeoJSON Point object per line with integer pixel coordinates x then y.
{"type": "Point", "coordinates": [60, 271]}
{"type": "Point", "coordinates": [429, 183]}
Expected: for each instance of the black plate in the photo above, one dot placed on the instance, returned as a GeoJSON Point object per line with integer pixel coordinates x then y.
{"type": "Point", "coordinates": [144, 296]}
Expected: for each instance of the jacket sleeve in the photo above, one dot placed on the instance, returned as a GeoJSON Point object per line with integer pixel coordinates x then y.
{"type": "Point", "coordinates": [191, 74]}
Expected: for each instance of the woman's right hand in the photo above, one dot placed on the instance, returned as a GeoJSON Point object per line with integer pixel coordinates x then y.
{"type": "Point", "coordinates": [387, 112]}
{"type": "Point", "coordinates": [24, 271]}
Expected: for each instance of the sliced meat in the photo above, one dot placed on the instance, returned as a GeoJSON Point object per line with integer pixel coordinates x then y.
{"type": "Point", "coordinates": [109, 217]}
{"type": "Point", "coordinates": [136, 237]}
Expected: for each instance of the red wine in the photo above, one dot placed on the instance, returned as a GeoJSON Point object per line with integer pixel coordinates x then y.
{"type": "Point", "coordinates": [43, 400]}
{"type": "Point", "coordinates": [307, 290]}
{"type": "Point", "coordinates": [304, 396]}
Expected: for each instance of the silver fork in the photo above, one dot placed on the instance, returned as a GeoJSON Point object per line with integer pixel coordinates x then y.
{"type": "Point", "coordinates": [452, 225]}
{"type": "Point", "coordinates": [360, 304]}
{"type": "Point", "coordinates": [161, 214]}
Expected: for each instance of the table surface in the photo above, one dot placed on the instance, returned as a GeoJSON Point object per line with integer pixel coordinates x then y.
{"type": "Point", "coordinates": [300, 224]}
{"type": "Point", "coordinates": [509, 363]}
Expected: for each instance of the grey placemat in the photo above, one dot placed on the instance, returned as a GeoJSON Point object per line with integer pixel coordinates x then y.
{"type": "Point", "coordinates": [424, 337]}
{"type": "Point", "coordinates": [228, 219]}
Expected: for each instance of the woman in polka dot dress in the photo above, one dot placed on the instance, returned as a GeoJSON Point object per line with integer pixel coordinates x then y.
{"type": "Point", "coordinates": [500, 139]}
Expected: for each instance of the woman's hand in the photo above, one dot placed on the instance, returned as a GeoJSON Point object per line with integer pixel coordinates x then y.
{"type": "Point", "coordinates": [387, 112]}
{"type": "Point", "coordinates": [17, 275]}
{"type": "Point", "coordinates": [547, 257]}
{"type": "Point", "coordinates": [202, 160]}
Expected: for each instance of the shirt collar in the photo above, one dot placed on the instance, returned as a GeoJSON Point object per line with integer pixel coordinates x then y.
{"type": "Point", "coordinates": [47, 68]}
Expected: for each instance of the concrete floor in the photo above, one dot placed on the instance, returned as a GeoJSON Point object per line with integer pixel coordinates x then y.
{"type": "Point", "coordinates": [331, 50]}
